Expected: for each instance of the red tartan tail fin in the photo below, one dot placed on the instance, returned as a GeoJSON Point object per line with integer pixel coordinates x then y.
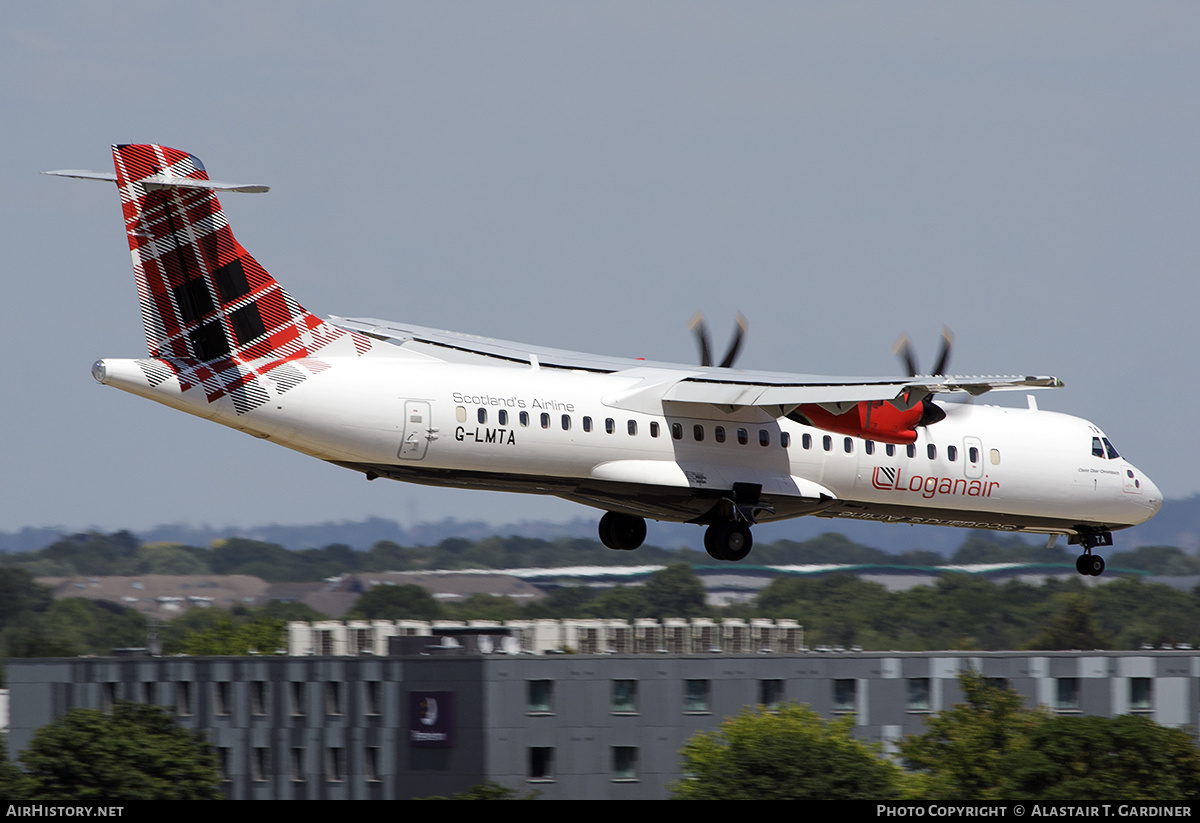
{"type": "Point", "coordinates": [203, 297]}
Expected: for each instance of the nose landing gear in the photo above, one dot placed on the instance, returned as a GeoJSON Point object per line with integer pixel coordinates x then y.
{"type": "Point", "coordinates": [1091, 565]}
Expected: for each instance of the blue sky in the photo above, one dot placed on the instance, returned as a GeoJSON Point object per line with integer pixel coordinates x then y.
{"type": "Point", "coordinates": [587, 176]}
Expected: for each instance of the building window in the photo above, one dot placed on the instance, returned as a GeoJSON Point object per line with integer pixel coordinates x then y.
{"type": "Point", "coordinates": [1141, 695]}
{"type": "Point", "coordinates": [299, 698]}
{"type": "Point", "coordinates": [371, 764]}
{"type": "Point", "coordinates": [624, 762]}
{"type": "Point", "coordinates": [224, 764]}
{"type": "Point", "coordinates": [540, 697]}
{"type": "Point", "coordinates": [260, 764]}
{"type": "Point", "coordinates": [695, 696]}
{"type": "Point", "coordinates": [333, 697]}
{"type": "Point", "coordinates": [770, 693]}
{"type": "Point", "coordinates": [541, 762]}
{"type": "Point", "coordinates": [918, 694]}
{"type": "Point", "coordinates": [221, 698]}
{"type": "Point", "coordinates": [335, 764]}
{"type": "Point", "coordinates": [296, 765]}
{"type": "Point", "coordinates": [624, 696]}
{"type": "Point", "coordinates": [183, 698]}
{"type": "Point", "coordinates": [844, 693]}
{"type": "Point", "coordinates": [371, 693]}
{"type": "Point", "coordinates": [1066, 697]}
{"type": "Point", "coordinates": [258, 698]}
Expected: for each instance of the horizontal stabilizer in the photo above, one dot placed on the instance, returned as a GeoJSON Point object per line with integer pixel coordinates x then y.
{"type": "Point", "coordinates": [159, 182]}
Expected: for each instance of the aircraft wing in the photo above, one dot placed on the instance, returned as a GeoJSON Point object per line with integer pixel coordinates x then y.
{"type": "Point", "coordinates": [774, 392]}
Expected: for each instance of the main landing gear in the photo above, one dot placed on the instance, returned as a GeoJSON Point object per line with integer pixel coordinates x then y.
{"type": "Point", "coordinates": [622, 532]}
{"type": "Point", "coordinates": [1089, 564]}
{"type": "Point", "coordinates": [728, 540]}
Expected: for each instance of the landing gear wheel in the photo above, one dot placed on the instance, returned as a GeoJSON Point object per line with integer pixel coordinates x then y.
{"type": "Point", "coordinates": [728, 540]}
{"type": "Point", "coordinates": [622, 532]}
{"type": "Point", "coordinates": [1091, 565]}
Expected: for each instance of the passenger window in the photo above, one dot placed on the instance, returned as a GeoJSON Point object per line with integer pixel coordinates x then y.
{"type": "Point", "coordinates": [743, 437]}
{"type": "Point", "coordinates": [931, 451]}
{"type": "Point", "coordinates": [764, 437]}
{"type": "Point", "coordinates": [610, 425]}
{"type": "Point", "coordinates": [677, 431]}
{"type": "Point", "coordinates": [502, 417]}
{"type": "Point", "coordinates": [785, 439]}
{"type": "Point", "coordinates": [719, 434]}
{"type": "Point", "coordinates": [631, 427]}
{"type": "Point", "coordinates": [545, 420]}
{"type": "Point", "coordinates": [698, 433]}
{"type": "Point", "coordinates": [460, 414]}
{"type": "Point", "coordinates": [952, 453]}
{"type": "Point", "coordinates": [806, 441]}
{"type": "Point", "coordinates": [587, 424]}
{"type": "Point", "coordinates": [995, 457]}
{"type": "Point", "coordinates": [566, 422]}
{"type": "Point", "coordinates": [910, 450]}
{"type": "Point", "coordinates": [848, 445]}
{"type": "Point", "coordinates": [654, 428]}
{"type": "Point", "coordinates": [869, 446]}
{"type": "Point", "coordinates": [973, 454]}
{"type": "Point", "coordinates": [890, 448]}
{"type": "Point", "coordinates": [827, 443]}
{"type": "Point", "coordinates": [524, 418]}
{"type": "Point", "coordinates": [481, 415]}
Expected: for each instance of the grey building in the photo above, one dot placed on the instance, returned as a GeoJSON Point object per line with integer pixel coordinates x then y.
{"type": "Point", "coordinates": [572, 726]}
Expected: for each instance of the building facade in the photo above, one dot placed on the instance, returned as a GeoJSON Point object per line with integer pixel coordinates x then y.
{"type": "Point", "coordinates": [568, 725]}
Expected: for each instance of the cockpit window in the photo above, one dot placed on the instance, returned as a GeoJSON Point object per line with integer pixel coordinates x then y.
{"type": "Point", "coordinates": [1112, 453]}
{"type": "Point", "coordinates": [1097, 447]}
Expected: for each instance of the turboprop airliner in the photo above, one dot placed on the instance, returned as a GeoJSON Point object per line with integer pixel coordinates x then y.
{"type": "Point", "coordinates": [721, 447]}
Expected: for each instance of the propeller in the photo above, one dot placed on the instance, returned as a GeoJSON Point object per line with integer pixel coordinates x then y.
{"type": "Point", "coordinates": [931, 413]}
{"type": "Point", "coordinates": [700, 328]}
{"type": "Point", "coordinates": [904, 351]}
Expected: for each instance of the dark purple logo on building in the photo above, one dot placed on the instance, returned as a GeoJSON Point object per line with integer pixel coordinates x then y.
{"type": "Point", "coordinates": [431, 719]}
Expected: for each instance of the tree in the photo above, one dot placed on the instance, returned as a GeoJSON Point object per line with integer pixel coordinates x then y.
{"type": "Point", "coordinates": [788, 754]}
{"type": "Point", "coordinates": [992, 748]}
{"type": "Point", "coordinates": [675, 591]}
{"type": "Point", "coordinates": [970, 748]}
{"type": "Point", "coordinates": [404, 602]}
{"type": "Point", "coordinates": [136, 753]}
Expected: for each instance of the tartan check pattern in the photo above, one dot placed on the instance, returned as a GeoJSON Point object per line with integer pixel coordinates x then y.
{"type": "Point", "coordinates": [213, 317]}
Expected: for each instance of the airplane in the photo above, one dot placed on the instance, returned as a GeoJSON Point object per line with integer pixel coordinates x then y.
{"type": "Point", "coordinates": [717, 446]}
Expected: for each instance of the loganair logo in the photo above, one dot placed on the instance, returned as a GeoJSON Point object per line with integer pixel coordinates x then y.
{"type": "Point", "coordinates": [891, 478]}
{"type": "Point", "coordinates": [429, 711]}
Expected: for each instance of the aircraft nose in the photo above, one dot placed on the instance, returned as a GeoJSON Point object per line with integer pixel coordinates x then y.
{"type": "Point", "coordinates": [1144, 492]}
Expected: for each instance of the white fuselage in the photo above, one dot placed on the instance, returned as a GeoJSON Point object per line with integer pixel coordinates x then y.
{"type": "Point", "coordinates": [586, 436]}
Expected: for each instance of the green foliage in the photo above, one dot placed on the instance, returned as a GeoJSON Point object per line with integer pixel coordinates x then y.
{"type": "Point", "coordinates": [136, 753]}
{"type": "Point", "coordinates": [226, 637]}
{"type": "Point", "coordinates": [488, 790]}
{"type": "Point", "coordinates": [788, 754]}
{"type": "Point", "coordinates": [405, 602]}
{"type": "Point", "coordinates": [994, 749]}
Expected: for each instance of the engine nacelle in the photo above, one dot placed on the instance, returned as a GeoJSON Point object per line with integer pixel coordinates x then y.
{"type": "Point", "coordinates": [872, 420]}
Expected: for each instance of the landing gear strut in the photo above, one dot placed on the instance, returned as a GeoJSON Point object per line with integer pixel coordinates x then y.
{"type": "Point", "coordinates": [1087, 563]}
{"type": "Point", "coordinates": [622, 532]}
